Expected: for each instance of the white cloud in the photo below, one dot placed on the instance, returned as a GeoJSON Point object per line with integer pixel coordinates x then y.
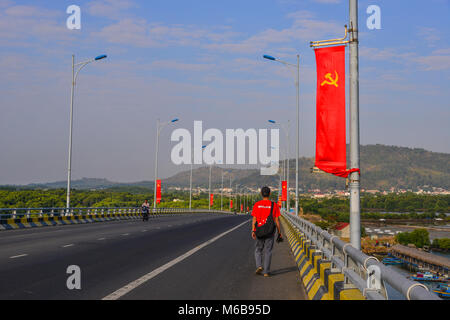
{"type": "Point", "coordinates": [304, 28]}
{"type": "Point", "coordinates": [327, 1]}
{"type": "Point", "coordinates": [20, 25]}
{"type": "Point", "coordinates": [434, 62]}
{"type": "Point", "coordinates": [141, 33]}
{"type": "Point", "coordinates": [296, 2]}
{"type": "Point", "coordinates": [5, 3]}
{"type": "Point", "coordinates": [175, 65]}
{"type": "Point", "coordinates": [29, 11]}
{"type": "Point", "coordinates": [437, 60]}
{"type": "Point", "coordinates": [110, 8]}
{"type": "Point", "coordinates": [429, 35]}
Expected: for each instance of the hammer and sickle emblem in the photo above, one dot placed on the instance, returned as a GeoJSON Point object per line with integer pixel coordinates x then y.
{"type": "Point", "coordinates": [331, 81]}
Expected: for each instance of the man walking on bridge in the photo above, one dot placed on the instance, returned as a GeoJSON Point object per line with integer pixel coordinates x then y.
{"type": "Point", "coordinates": [261, 216]}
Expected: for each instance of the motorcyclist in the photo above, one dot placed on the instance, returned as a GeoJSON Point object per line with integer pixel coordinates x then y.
{"type": "Point", "coordinates": [145, 208]}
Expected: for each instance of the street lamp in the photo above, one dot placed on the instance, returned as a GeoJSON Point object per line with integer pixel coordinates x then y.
{"type": "Point", "coordinates": [221, 193]}
{"type": "Point", "coordinates": [74, 80]}
{"type": "Point", "coordinates": [190, 183]}
{"type": "Point", "coordinates": [286, 130]}
{"type": "Point", "coordinates": [297, 83]}
{"type": "Point", "coordinates": [159, 127]}
{"type": "Point", "coordinates": [231, 193]}
{"type": "Point", "coordinates": [209, 200]}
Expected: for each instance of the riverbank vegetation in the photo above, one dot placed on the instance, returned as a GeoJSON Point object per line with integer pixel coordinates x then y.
{"type": "Point", "coordinates": [442, 244]}
{"type": "Point", "coordinates": [114, 197]}
{"type": "Point", "coordinates": [418, 237]}
{"type": "Point", "coordinates": [412, 206]}
{"type": "Point", "coordinates": [391, 206]}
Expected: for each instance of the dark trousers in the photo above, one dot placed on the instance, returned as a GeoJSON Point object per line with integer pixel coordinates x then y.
{"type": "Point", "coordinates": [263, 253]}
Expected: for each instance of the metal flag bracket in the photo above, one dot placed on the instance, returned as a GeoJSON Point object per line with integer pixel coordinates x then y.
{"type": "Point", "coordinates": [316, 170]}
{"type": "Point", "coordinates": [331, 42]}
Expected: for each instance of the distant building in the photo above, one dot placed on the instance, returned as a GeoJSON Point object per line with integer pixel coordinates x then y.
{"type": "Point", "coordinates": [342, 230]}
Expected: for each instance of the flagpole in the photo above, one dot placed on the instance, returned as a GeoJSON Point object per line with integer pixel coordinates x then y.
{"type": "Point", "coordinates": [354, 185]}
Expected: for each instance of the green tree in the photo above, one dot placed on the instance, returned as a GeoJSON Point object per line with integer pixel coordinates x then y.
{"type": "Point", "coordinates": [418, 237]}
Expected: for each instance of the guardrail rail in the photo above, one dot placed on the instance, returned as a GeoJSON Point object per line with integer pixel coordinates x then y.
{"type": "Point", "coordinates": [18, 218]}
{"type": "Point", "coordinates": [332, 260]}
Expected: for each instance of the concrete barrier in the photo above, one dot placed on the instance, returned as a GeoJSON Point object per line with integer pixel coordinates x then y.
{"type": "Point", "coordinates": [321, 281]}
{"type": "Point", "coordinates": [47, 221]}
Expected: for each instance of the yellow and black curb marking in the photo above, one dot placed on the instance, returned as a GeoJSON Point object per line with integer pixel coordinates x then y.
{"type": "Point", "coordinates": [320, 280]}
{"type": "Point", "coordinates": [22, 223]}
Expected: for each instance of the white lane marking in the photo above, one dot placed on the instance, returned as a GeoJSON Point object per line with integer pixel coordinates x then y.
{"type": "Point", "coordinates": [68, 245]}
{"type": "Point", "coordinates": [101, 239]}
{"type": "Point", "coordinates": [126, 234]}
{"type": "Point", "coordinates": [133, 285]}
{"type": "Point", "coordinates": [144, 231]}
{"type": "Point", "coordinates": [19, 256]}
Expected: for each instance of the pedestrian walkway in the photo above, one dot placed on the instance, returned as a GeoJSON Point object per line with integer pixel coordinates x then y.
{"type": "Point", "coordinates": [284, 282]}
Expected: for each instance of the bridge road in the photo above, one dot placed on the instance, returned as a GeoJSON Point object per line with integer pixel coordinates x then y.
{"type": "Point", "coordinates": [112, 255]}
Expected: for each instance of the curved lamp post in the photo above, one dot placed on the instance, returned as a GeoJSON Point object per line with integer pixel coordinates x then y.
{"type": "Point", "coordinates": [81, 65]}
{"type": "Point", "coordinates": [159, 127]}
{"type": "Point", "coordinates": [190, 180]}
{"type": "Point", "coordinates": [297, 83]}
{"type": "Point", "coordinates": [286, 130]}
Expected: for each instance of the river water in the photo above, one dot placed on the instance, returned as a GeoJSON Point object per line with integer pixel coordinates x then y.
{"type": "Point", "coordinates": [394, 294]}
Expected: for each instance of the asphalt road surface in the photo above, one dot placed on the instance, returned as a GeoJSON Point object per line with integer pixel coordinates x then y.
{"type": "Point", "coordinates": [183, 257]}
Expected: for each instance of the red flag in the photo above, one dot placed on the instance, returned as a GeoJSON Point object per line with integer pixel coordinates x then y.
{"type": "Point", "coordinates": [284, 191]}
{"type": "Point", "coordinates": [231, 204]}
{"type": "Point", "coordinates": [242, 207]}
{"type": "Point", "coordinates": [158, 191]}
{"type": "Point", "coordinates": [330, 118]}
{"type": "Point", "coordinates": [211, 199]}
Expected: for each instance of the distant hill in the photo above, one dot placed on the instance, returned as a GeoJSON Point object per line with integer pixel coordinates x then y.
{"type": "Point", "coordinates": [89, 183]}
{"type": "Point", "coordinates": [85, 183]}
{"type": "Point", "coordinates": [382, 167]}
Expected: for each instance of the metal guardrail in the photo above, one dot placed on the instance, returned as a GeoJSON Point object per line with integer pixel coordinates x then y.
{"type": "Point", "coordinates": [12, 213]}
{"type": "Point", "coordinates": [354, 264]}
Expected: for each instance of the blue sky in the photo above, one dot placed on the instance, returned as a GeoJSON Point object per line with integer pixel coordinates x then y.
{"type": "Point", "coordinates": [202, 60]}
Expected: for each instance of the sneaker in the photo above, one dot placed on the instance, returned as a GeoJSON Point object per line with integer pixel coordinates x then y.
{"type": "Point", "coordinates": [259, 270]}
{"type": "Point", "coordinates": [266, 275]}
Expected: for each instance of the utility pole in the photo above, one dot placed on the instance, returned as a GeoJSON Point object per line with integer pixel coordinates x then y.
{"type": "Point", "coordinates": [156, 162]}
{"type": "Point", "coordinates": [69, 170]}
{"type": "Point", "coordinates": [221, 194]}
{"type": "Point", "coordinates": [288, 205]}
{"type": "Point", "coordinates": [354, 185]}
{"type": "Point", "coordinates": [298, 135]}
{"type": "Point", "coordinates": [209, 200]}
{"type": "Point", "coordinates": [231, 194]}
{"type": "Point", "coordinates": [190, 182]}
